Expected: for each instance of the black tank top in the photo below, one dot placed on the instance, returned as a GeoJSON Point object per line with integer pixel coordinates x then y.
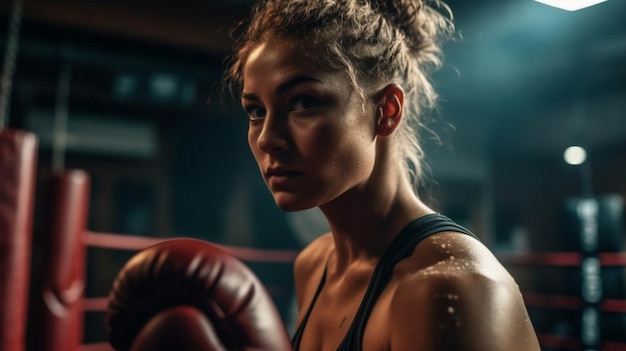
{"type": "Point", "coordinates": [401, 247]}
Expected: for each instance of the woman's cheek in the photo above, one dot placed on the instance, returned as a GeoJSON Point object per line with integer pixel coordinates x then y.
{"type": "Point", "coordinates": [253, 136]}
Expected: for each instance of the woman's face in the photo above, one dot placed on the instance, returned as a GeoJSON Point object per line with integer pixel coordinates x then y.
{"type": "Point", "coordinates": [310, 132]}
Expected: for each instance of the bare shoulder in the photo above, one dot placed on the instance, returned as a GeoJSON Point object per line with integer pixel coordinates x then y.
{"type": "Point", "coordinates": [313, 254]}
{"type": "Point", "coordinates": [460, 297]}
{"type": "Point", "coordinates": [309, 265]}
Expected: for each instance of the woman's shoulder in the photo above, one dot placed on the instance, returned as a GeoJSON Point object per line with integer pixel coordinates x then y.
{"type": "Point", "coordinates": [451, 262]}
{"type": "Point", "coordinates": [455, 288]}
{"type": "Point", "coordinates": [315, 253]}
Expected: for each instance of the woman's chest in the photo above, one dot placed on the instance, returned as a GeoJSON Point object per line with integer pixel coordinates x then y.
{"type": "Point", "coordinates": [336, 312]}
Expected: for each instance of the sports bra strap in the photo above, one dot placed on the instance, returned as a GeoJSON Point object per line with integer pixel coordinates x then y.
{"type": "Point", "coordinates": [295, 340]}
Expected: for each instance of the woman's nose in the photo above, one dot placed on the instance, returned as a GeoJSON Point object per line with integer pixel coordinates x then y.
{"type": "Point", "coordinates": [274, 135]}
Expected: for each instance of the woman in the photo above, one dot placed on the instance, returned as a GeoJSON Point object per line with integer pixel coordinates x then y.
{"type": "Point", "coordinates": [334, 90]}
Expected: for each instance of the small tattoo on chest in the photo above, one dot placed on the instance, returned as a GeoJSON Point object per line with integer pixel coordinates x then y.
{"type": "Point", "coordinates": [343, 321]}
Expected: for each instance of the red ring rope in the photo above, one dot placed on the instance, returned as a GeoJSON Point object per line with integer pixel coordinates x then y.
{"type": "Point", "coordinates": [135, 243]}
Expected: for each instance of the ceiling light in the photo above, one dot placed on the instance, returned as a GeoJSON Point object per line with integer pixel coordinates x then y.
{"type": "Point", "coordinates": [570, 5]}
{"type": "Point", "coordinates": [575, 155]}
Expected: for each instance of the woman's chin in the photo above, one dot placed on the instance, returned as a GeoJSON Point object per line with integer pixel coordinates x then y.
{"type": "Point", "coordinates": [291, 204]}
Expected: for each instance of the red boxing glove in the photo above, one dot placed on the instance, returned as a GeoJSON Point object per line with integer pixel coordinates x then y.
{"type": "Point", "coordinates": [186, 294]}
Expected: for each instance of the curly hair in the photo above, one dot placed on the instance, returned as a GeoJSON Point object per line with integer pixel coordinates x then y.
{"type": "Point", "coordinates": [374, 42]}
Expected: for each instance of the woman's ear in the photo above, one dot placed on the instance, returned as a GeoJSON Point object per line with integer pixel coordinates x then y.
{"type": "Point", "coordinates": [389, 109]}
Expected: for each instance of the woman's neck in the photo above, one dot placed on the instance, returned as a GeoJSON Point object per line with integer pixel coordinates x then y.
{"type": "Point", "coordinates": [365, 220]}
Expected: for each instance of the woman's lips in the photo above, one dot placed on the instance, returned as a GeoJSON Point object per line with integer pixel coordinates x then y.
{"type": "Point", "coordinates": [277, 178]}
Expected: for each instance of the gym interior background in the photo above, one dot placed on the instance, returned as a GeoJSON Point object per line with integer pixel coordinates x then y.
{"type": "Point", "coordinates": [129, 92]}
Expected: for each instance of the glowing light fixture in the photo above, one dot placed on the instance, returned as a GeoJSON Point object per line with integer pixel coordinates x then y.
{"type": "Point", "coordinates": [570, 5]}
{"type": "Point", "coordinates": [575, 155]}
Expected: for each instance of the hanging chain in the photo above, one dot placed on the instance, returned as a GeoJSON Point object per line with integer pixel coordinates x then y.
{"type": "Point", "coordinates": [10, 56]}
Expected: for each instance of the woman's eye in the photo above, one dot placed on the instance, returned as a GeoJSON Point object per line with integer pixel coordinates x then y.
{"type": "Point", "coordinates": [304, 103]}
{"type": "Point", "coordinates": [255, 113]}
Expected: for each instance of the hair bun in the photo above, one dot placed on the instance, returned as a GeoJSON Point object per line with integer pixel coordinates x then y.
{"type": "Point", "coordinates": [409, 16]}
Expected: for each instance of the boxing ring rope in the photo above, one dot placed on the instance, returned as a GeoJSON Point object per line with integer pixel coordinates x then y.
{"type": "Point", "coordinates": [571, 302]}
{"type": "Point", "coordinates": [134, 243]}
{"type": "Point", "coordinates": [563, 259]}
